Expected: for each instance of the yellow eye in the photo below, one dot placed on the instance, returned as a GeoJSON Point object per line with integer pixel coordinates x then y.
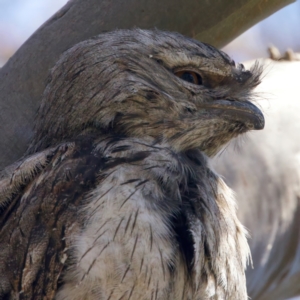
{"type": "Point", "coordinates": [189, 76]}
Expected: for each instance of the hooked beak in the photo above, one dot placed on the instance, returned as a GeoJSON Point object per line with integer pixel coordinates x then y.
{"type": "Point", "coordinates": [238, 111]}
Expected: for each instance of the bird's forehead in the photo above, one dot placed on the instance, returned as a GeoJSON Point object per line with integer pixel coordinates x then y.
{"type": "Point", "coordinates": [176, 50]}
{"type": "Point", "coordinates": [185, 57]}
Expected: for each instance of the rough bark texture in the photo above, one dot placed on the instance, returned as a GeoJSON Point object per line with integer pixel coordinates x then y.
{"type": "Point", "coordinates": [23, 78]}
{"type": "Point", "coordinates": [265, 174]}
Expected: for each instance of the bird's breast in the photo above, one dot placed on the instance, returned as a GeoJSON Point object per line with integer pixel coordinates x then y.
{"type": "Point", "coordinates": [144, 234]}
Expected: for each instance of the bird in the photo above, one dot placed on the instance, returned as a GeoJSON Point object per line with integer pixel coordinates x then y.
{"type": "Point", "coordinates": [115, 197]}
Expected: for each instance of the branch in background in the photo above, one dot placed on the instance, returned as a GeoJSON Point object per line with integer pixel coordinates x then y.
{"type": "Point", "coordinates": [23, 78]}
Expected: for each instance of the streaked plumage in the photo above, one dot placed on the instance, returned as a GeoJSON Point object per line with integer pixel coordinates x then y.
{"type": "Point", "coordinates": [115, 198]}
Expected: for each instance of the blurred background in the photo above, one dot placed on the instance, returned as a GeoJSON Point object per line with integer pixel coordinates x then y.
{"type": "Point", "coordinates": [20, 18]}
{"type": "Point", "coordinates": [281, 30]}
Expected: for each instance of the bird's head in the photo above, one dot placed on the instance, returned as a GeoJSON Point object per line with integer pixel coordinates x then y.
{"type": "Point", "coordinates": [144, 84]}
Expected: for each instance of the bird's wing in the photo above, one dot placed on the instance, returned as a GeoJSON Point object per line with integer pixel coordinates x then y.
{"type": "Point", "coordinates": [39, 198]}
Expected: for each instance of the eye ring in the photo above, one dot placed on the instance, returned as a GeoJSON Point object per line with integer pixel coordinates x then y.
{"type": "Point", "coordinates": [189, 76]}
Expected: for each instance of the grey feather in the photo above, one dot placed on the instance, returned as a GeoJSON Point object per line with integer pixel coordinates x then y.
{"type": "Point", "coordinates": [115, 198]}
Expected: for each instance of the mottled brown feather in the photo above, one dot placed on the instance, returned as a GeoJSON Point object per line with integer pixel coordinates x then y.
{"type": "Point", "coordinates": [115, 198]}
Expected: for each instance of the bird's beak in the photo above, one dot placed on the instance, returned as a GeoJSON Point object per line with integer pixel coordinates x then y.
{"type": "Point", "coordinates": [238, 111]}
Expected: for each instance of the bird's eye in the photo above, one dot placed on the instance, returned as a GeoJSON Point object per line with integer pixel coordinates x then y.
{"type": "Point", "coordinates": [189, 76]}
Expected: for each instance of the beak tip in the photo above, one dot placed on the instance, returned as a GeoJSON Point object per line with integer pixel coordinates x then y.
{"type": "Point", "coordinates": [260, 122]}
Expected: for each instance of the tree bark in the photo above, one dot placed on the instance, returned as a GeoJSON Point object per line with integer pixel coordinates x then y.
{"type": "Point", "coordinates": [23, 78]}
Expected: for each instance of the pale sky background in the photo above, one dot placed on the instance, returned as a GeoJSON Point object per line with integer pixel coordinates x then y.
{"type": "Point", "coordinates": [20, 18]}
